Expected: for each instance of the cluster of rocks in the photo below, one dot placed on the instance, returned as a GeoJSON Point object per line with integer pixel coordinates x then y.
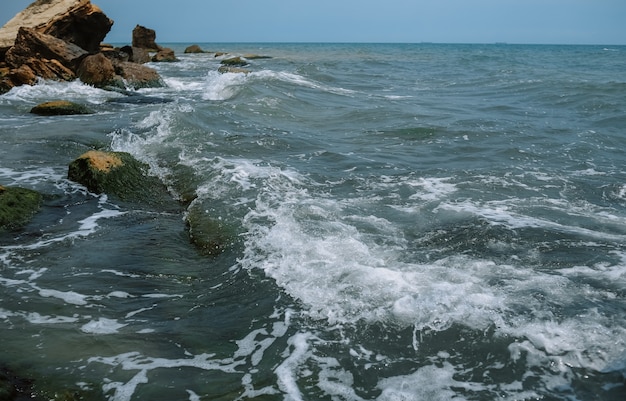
{"type": "Point", "coordinates": [62, 40]}
{"type": "Point", "coordinates": [229, 63]}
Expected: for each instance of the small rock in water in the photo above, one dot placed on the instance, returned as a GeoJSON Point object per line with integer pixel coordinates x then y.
{"type": "Point", "coordinates": [60, 108]}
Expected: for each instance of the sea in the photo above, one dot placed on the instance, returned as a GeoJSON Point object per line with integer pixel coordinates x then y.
{"type": "Point", "coordinates": [402, 222]}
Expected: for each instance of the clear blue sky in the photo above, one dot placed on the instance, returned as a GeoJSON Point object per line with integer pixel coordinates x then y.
{"type": "Point", "coordinates": [442, 21]}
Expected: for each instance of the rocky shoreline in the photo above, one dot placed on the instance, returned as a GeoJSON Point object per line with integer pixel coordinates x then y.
{"type": "Point", "coordinates": [62, 40]}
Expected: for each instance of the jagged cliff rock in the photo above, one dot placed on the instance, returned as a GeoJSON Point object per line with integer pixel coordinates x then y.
{"type": "Point", "coordinates": [52, 16]}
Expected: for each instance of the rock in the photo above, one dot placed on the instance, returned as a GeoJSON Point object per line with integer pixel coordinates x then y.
{"type": "Point", "coordinates": [254, 56]}
{"type": "Point", "coordinates": [136, 54]}
{"type": "Point", "coordinates": [137, 76]}
{"type": "Point", "coordinates": [234, 62]}
{"type": "Point", "coordinates": [47, 56]}
{"type": "Point", "coordinates": [165, 55]}
{"type": "Point", "coordinates": [60, 108]}
{"type": "Point", "coordinates": [23, 75]}
{"type": "Point", "coordinates": [234, 70]}
{"type": "Point", "coordinates": [97, 70]}
{"type": "Point", "coordinates": [119, 174]}
{"type": "Point", "coordinates": [84, 25]}
{"type": "Point", "coordinates": [40, 12]}
{"type": "Point", "coordinates": [194, 49]}
{"type": "Point", "coordinates": [17, 206]}
{"type": "Point", "coordinates": [210, 236]}
{"type": "Point", "coordinates": [145, 38]}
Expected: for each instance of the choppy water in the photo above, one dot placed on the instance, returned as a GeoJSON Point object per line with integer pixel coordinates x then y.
{"type": "Point", "coordinates": [408, 222]}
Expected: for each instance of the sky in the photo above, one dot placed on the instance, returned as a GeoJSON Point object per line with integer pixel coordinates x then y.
{"type": "Point", "coordinates": [413, 21]}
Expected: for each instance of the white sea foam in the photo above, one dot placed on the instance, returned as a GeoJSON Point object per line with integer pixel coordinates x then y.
{"type": "Point", "coordinates": [69, 297]}
{"type": "Point", "coordinates": [46, 90]}
{"type": "Point", "coordinates": [102, 326]}
{"type": "Point", "coordinates": [222, 86]}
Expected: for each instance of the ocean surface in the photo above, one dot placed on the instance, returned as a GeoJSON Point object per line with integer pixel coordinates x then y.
{"type": "Point", "coordinates": [403, 222]}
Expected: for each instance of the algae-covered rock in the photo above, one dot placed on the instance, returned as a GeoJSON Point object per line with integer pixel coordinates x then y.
{"type": "Point", "coordinates": [17, 206]}
{"type": "Point", "coordinates": [234, 62]}
{"type": "Point", "coordinates": [119, 174]}
{"type": "Point", "coordinates": [210, 235]}
{"type": "Point", "coordinates": [60, 108]}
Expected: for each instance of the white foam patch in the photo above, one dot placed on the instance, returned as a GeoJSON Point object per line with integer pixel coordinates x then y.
{"type": "Point", "coordinates": [102, 326]}
{"type": "Point", "coordinates": [69, 297]}
{"type": "Point", "coordinates": [219, 86]}
{"type": "Point", "coordinates": [46, 90]}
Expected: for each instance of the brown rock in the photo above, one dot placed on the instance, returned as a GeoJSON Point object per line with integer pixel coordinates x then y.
{"type": "Point", "coordinates": [47, 56]}
{"type": "Point", "coordinates": [84, 25]}
{"type": "Point", "coordinates": [23, 75]}
{"type": "Point", "coordinates": [194, 49]}
{"type": "Point", "coordinates": [165, 55]}
{"type": "Point", "coordinates": [145, 38]}
{"type": "Point", "coordinates": [137, 75]}
{"type": "Point", "coordinates": [136, 54]}
{"type": "Point", "coordinates": [40, 12]}
{"type": "Point", "coordinates": [96, 70]}
{"type": "Point", "coordinates": [76, 21]}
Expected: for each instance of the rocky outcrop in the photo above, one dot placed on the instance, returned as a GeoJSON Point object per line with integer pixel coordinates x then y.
{"type": "Point", "coordinates": [164, 55]}
{"type": "Point", "coordinates": [17, 206]}
{"type": "Point", "coordinates": [84, 25]}
{"type": "Point", "coordinates": [60, 108]}
{"type": "Point", "coordinates": [118, 174]}
{"type": "Point", "coordinates": [61, 40]}
{"type": "Point", "coordinates": [145, 38]}
{"type": "Point", "coordinates": [48, 57]}
{"type": "Point", "coordinates": [39, 13]}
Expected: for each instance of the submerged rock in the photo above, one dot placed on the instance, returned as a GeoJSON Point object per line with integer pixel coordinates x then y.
{"type": "Point", "coordinates": [223, 69]}
{"type": "Point", "coordinates": [60, 108]}
{"type": "Point", "coordinates": [17, 206]}
{"type": "Point", "coordinates": [211, 236]}
{"type": "Point", "coordinates": [234, 62]}
{"type": "Point", "coordinates": [119, 174]}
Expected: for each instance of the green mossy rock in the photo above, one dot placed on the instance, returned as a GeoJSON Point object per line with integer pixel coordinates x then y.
{"type": "Point", "coordinates": [234, 62]}
{"type": "Point", "coordinates": [119, 174]}
{"type": "Point", "coordinates": [60, 108]}
{"type": "Point", "coordinates": [210, 235]}
{"type": "Point", "coordinates": [17, 206]}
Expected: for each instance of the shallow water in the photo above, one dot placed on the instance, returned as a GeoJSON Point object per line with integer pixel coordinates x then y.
{"type": "Point", "coordinates": [408, 222]}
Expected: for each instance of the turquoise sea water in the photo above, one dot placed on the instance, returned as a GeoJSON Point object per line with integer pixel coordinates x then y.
{"type": "Point", "coordinates": [407, 222]}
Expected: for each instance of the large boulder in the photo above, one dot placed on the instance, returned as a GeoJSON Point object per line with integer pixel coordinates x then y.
{"type": "Point", "coordinates": [118, 174]}
{"type": "Point", "coordinates": [75, 21]}
{"type": "Point", "coordinates": [97, 70]}
{"type": "Point", "coordinates": [145, 38]}
{"type": "Point", "coordinates": [84, 25]}
{"type": "Point", "coordinates": [48, 57]}
{"type": "Point", "coordinates": [17, 206]}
